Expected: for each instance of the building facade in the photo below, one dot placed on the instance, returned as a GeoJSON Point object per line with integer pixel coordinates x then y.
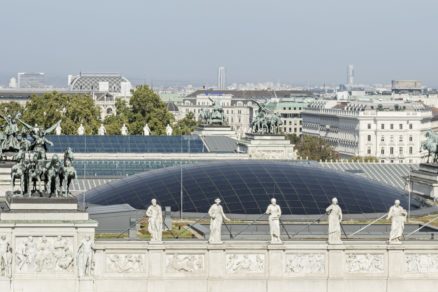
{"type": "Point", "coordinates": [290, 112]}
{"type": "Point", "coordinates": [240, 106]}
{"type": "Point", "coordinates": [390, 132]}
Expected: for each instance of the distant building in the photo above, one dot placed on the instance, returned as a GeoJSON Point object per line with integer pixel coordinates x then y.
{"type": "Point", "coordinates": [406, 86]}
{"type": "Point", "coordinates": [12, 83]}
{"type": "Point", "coordinates": [389, 131]}
{"type": "Point", "coordinates": [104, 87]}
{"type": "Point", "coordinates": [350, 75]}
{"type": "Point", "coordinates": [31, 80]}
{"type": "Point", "coordinates": [221, 78]}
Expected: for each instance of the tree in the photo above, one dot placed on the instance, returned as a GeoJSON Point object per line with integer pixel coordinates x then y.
{"type": "Point", "coordinates": [73, 110]}
{"type": "Point", "coordinates": [145, 106]}
{"type": "Point", "coordinates": [293, 138]}
{"type": "Point", "coordinates": [315, 148]}
{"type": "Point", "coordinates": [187, 125]}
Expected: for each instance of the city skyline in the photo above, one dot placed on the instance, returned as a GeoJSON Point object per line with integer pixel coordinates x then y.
{"type": "Point", "coordinates": [296, 43]}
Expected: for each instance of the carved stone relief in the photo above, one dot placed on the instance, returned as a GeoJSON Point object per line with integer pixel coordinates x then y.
{"type": "Point", "coordinates": [421, 263]}
{"type": "Point", "coordinates": [185, 263]}
{"type": "Point", "coordinates": [305, 263]}
{"type": "Point", "coordinates": [124, 263]}
{"type": "Point", "coordinates": [365, 263]}
{"type": "Point", "coordinates": [44, 254]}
{"type": "Point", "coordinates": [245, 263]}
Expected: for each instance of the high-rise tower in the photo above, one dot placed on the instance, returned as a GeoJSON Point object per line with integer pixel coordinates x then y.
{"type": "Point", "coordinates": [221, 80]}
{"type": "Point", "coordinates": [350, 75]}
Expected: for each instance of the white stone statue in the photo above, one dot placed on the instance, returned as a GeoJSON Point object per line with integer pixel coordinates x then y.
{"type": "Point", "coordinates": [85, 257]}
{"type": "Point", "coordinates": [216, 213]}
{"type": "Point", "coordinates": [334, 213]}
{"type": "Point", "coordinates": [146, 130]}
{"type": "Point", "coordinates": [169, 130]}
{"type": "Point", "coordinates": [81, 130]}
{"type": "Point", "coordinates": [124, 130]}
{"type": "Point", "coordinates": [58, 129]}
{"type": "Point", "coordinates": [101, 131]}
{"type": "Point", "coordinates": [398, 218]}
{"type": "Point", "coordinates": [5, 257]}
{"type": "Point", "coordinates": [274, 212]}
{"type": "Point", "coordinates": [43, 256]}
{"type": "Point", "coordinates": [155, 224]}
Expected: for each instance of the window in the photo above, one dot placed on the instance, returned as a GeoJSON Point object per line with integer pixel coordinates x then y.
{"type": "Point", "coordinates": [400, 150]}
{"type": "Point", "coordinates": [400, 126]}
{"type": "Point", "coordinates": [369, 138]}
{"type": "Point", "coordinates": [400, 139]}
{"type": "Point", "coordinates": [382, 161]}
{"type": "Point", "coordinates": [369, 150]}
{"type": "Point", "coordinates": [391, 126]}
{"type": "Point", "coordinates": [382, 139]}
{"type": "Point", "coordinates": [391, 150]}
{"type": "Point", "coordinates": [382, 151]}
{"type": "Point", "coordinates": [284, 108]}
{"type": "Point", "coordinates": [410, 139]}
{"type": "Point", "coordinates": [290, 130]}
{"type": "Point", "coordinates": [410, 150]}
{"type": "Point", "coordinates": [290, 122]}
{"type": "Point", "coordinates": [410, 126]}
{"type": "Point", "coordinates": [289, 108]}
{"type": "Point", "coordinates": [382, 126]}
{"type": "Point", "coordinates": [391, 139]}
{"type": "Point", "coordinates": [369, 126]}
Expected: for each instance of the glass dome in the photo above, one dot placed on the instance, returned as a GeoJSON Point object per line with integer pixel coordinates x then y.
{"type": "Point", "coordinates": [245, 187]}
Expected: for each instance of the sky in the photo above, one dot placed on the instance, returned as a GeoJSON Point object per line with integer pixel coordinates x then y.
{"type": "Point", "coordinates": [302, 42]}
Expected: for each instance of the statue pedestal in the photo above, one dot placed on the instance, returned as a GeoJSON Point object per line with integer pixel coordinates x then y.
{"type": "Point", "coordinates": [267, 146]}
{"type": "Point", "coordinates": [215, 131]}
{"type": "Point", "coordinates": [424, 181]}
{"type": "Point", "coordinates": [44, 235]}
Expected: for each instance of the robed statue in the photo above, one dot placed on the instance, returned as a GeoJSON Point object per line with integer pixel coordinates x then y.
{"type": "Point", "coordinates": [397, 215]}
{"type": "Point", "coordinates": [217, 215]}
{"type": "Point", "coordinates": [274, 212]}
{"type": "Point", "coordinates": [334, 213]}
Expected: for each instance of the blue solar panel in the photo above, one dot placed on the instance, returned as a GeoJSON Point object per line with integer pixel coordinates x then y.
{"type": "Point", "coordinates": [127, 144]}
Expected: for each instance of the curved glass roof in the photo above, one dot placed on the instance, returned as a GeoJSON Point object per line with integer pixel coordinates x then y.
{"type": "Point", "coordinates": [245, 187]}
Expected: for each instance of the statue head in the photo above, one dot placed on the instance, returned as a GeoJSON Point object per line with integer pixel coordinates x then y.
{"type": "Point", "coordinates": [30, 238]}
{"type": "Point", "coordinates": [397, 203]}
{"type": "Point", "coordinates": [273, 201]}
{"type": "Point", "coordinates": [55, 158]}
{"type": "Point", "coordinates": [59, 237]}
{"type": "Point", "coordinates": [334, 201]}
{"type": "Point", "coordinates": [87, 237]}
{"type": "Point", "coordinates": [35, 157]}
{"type": "Point", "coordinates": [217, 201]}
{"type": "Point", "coordinates": [154, 202]}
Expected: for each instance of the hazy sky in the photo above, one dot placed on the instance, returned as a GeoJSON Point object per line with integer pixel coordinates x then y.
{"type": "Point", "coordinates": [299, 42]}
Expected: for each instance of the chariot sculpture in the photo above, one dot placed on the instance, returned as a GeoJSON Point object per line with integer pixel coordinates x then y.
{"type": "Point", "coordinates": [266, 121]}
{"type": "Point", "coordinates": [37, 174]}
{"type": "Point", "coordinates": [213, 117]}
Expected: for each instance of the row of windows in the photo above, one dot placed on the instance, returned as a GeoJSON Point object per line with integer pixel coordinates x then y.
{"type": "Point", "coordinates": [391, 126]}
{"type": "Point", "coordinates": [391, 138]}
{"type": "Point", "coordinates": [289, 130]}
{"type": "Point", "coordinates": [391, 150]}
{"type": "Point", "coordinates": [290, 108]}
{"type": "Point", "coordinates": [295, 123]}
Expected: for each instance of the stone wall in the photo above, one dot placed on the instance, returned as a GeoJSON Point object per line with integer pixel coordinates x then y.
{"type": "Point", "coordinates": [136, 266]}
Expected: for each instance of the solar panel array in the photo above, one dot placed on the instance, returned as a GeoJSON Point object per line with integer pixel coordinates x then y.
{"type": "Point", "coordinates": [127, 144]}
{"type": "Point", "coordinates": [245, 187]}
